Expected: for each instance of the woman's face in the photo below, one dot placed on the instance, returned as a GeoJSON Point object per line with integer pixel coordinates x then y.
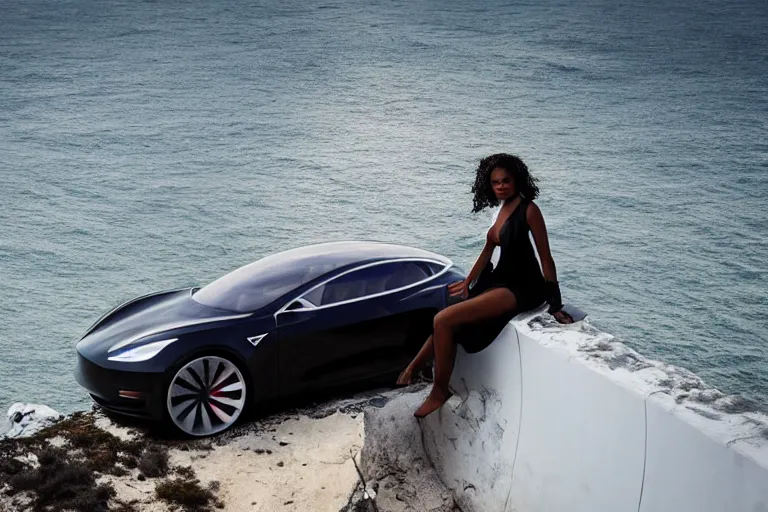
{"type": "Point", "coordinates": [503, 183]}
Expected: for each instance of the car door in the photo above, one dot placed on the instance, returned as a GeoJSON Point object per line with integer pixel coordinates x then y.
{"type": "Point", "coordinates": [256, 339]}
{"type": "Point", "coordinates": [349, 329]}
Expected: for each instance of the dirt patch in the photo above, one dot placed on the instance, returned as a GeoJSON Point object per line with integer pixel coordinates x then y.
{"type": "Point", "coordinates": [286, 462]}
{"type": "Point", "coordinates": [303, 459]}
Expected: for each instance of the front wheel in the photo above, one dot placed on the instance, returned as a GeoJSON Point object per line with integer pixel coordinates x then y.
{"type": "Point", "coordinates": [206, 396]}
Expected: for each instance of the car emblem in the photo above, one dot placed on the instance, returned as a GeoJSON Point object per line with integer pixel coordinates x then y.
{"type": "Point", "coordinates": [254, 340]}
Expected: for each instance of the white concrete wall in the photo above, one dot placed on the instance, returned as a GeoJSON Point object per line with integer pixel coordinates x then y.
{"type": "Point", "coordinates": [552, 418]}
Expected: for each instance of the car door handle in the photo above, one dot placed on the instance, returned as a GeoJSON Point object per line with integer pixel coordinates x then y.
{"type": "Point", "coordinates": [294, 317]}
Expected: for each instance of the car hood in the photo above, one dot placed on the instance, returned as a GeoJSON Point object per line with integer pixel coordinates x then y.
{"type": "Point", "coordinates": [137, 321]}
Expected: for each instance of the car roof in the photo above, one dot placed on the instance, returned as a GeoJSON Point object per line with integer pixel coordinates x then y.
{"type": "Point", "coordinates": [280, 273]}
{"type": "Point", "coordinates": [320, 259]}
{"type": "Point", "coordinates": [341, 254]}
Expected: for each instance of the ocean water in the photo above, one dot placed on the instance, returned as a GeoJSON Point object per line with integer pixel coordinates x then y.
{"type": "Point", "coordinates": [147, 145]}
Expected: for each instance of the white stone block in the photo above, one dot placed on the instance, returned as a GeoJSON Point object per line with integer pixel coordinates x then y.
{"type": "Point", "coordinates": [703, 464]}
{"type": "Point", "coordinates": [582, 438]}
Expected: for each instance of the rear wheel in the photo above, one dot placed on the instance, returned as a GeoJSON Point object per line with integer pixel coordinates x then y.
{"type": "Point", "coordinates": [206, 396]}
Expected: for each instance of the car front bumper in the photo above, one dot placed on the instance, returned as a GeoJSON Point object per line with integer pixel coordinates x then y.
{"type": "Point", "coordinates": [105, 385]}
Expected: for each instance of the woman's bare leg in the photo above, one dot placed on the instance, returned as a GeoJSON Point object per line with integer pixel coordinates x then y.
{"type": "Point", "coordinates": [424, 355]}
{"type": "Point", "coordinates": [493, 303]}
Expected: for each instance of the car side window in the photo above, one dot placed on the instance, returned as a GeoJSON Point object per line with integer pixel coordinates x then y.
{"type": "Point", "coordinates": [434, 268]}
{"type": "Point", "coordinates": [369, 281]}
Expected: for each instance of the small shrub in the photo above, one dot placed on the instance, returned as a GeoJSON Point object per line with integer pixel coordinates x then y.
{"type": "Point", "coordinates": [62, 484]}
{"type": "Point", "coordinates": [154, 462]}
{"type": "Point", "coordinates": [185, 472]}
{"type": "Point", "coordinates": [187, 493]}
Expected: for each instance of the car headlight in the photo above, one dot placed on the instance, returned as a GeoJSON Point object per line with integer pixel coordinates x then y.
{"type": "Point", "coordinates": [142, 352]}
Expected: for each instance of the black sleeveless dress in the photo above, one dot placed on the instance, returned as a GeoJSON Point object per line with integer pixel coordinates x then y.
{"type": "Point", "coordinates": [518, 270]}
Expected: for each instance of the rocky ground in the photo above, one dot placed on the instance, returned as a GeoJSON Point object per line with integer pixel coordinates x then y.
{"type": "Point", "coordinates": [355, 454]}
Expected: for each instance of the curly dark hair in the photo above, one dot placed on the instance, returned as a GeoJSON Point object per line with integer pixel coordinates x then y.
{"type": "Point", "coordinates": [525, 184]}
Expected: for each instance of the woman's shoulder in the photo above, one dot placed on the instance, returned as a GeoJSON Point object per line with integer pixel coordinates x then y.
{"type": "Point", "coordinates": [533, 213]}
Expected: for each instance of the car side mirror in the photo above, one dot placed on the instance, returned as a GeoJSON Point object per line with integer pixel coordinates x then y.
{"type": "Point", "coordinates": [300, 303]}
{"type": "Point", "coordinates": [294, 305]}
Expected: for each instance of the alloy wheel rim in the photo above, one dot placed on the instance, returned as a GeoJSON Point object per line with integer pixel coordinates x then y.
{"type": "Point", "coordinates": [206, 396]}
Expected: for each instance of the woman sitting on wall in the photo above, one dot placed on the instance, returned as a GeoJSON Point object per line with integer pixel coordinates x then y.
{"type": "Point", "coordinates": [493, 294]}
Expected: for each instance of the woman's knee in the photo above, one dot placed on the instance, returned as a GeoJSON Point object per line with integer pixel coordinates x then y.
{"type": "Point", "coordinates": [443, 319]}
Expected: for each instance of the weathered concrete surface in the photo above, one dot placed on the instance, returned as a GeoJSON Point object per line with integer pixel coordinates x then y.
{"type": "Point", "coordinates": [394, 463]}
{"type": "Point", "coordinates": [471, 439]}
{"type": "Point", "coordinates": [466, 443]}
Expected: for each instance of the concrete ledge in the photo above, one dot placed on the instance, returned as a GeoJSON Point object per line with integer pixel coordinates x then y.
{"type": "Point", "coordinates": [551, 418]}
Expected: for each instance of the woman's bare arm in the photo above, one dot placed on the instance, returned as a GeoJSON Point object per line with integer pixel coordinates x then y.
{"type": "Point", "coordinates": [539, 230]}
{"type": "Point", "coordinates": [462, 287]}
{"type": "Point", "coordinates": [481, 262]}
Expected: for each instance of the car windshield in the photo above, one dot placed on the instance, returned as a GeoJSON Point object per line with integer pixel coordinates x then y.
{"type": "Point", "coordinates": [256, 285]}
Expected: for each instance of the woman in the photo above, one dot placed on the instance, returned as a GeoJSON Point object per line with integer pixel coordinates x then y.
{"type": "Point", "coordinates": [515, 284]}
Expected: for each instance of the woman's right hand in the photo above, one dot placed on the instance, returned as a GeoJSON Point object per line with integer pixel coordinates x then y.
{"type": "Point", "coordinates": [460, 288]}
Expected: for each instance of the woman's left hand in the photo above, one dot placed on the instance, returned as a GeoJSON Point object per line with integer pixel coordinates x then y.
{"type": "Point", "coordinates": [563, 317]}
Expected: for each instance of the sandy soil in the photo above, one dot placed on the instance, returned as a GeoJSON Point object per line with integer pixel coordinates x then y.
{"type": "Point", "coordinates": [356, 454]}
{"type": "Point", "coordinates": [313, 459]}
{"type": "Point", "coordinates": [301, 464]}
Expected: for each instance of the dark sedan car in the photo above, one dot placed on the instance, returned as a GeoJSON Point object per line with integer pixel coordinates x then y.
{"type": "Point", "coordinates": [299, 321]}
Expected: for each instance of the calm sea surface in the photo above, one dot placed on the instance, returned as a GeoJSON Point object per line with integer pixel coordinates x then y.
{"type": "Point", "coordinates": [151, 145]}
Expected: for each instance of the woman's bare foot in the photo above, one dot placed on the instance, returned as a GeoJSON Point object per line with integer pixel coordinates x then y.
{"type": "Point", "coordinates": [434, 401]}
{"type": "Point", "coordinates": [406, 377]}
